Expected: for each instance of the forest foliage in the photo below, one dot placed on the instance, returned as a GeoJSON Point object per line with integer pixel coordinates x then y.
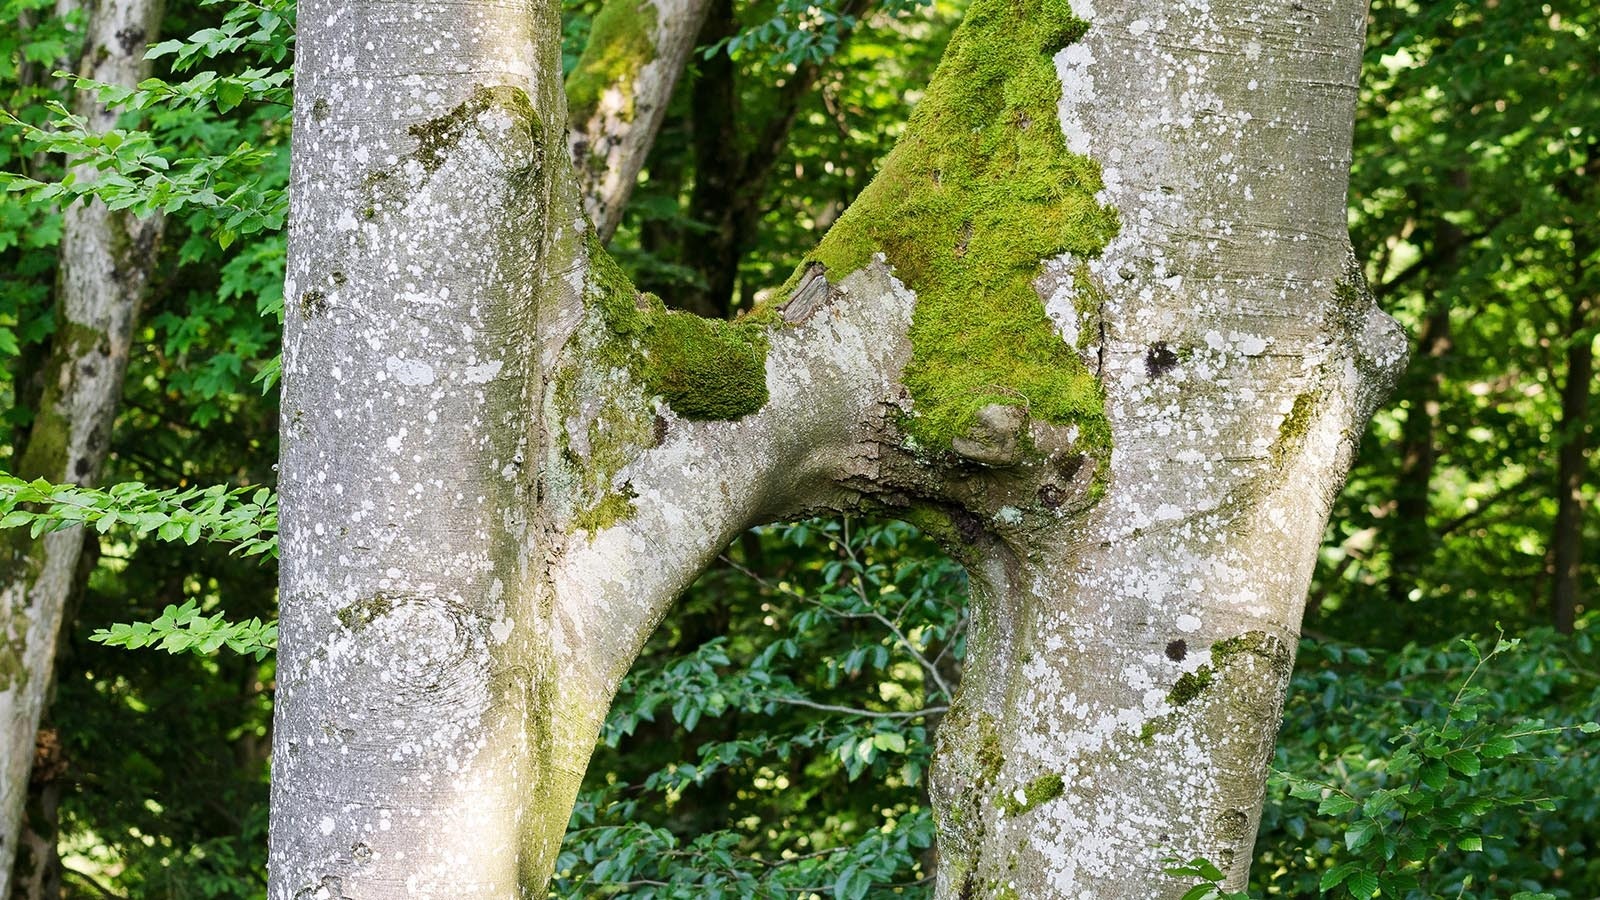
{"type": "Point", "coordinates": [775, 737]}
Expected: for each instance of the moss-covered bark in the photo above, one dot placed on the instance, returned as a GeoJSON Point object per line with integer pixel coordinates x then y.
{"type": "Point", "coordinates": [703, 368]}
{"type": "Point", "coordinates": [621, 42]}
{"type": "Point", "coordinates": [980, 192]}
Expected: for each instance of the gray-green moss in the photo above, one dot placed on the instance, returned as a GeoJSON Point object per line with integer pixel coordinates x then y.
{"type": "Point", "coordinates": [1263, 646]}
{"type": "Point", "coordinates": [13, 671]}
{"type": "Point", "coordinates": [989, 757]}
{"type": "Point", "coordinates": [361, 613]}
{"type": "Point", "coordinates": [980, 191]}
{"type": "Point", "coordinates": [1271, 650]}
{"type": "Point", "coordinates": [437, 136]}
{"type": "Point", "coordinates": [621, 42]}
{"type": "Point", "coordinates": [1293, 429]}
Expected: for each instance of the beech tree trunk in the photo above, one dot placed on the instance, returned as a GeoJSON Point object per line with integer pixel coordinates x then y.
{"type": "Point", "coordinates": [104, 266]}
{"type": "Point", "coordinates": [1096, 326]}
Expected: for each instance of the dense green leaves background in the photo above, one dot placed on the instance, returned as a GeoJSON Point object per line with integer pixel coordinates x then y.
{"type": "Point", "coordinates": [774, 738]}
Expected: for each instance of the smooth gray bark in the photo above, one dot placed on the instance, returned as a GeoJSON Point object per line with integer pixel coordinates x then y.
{"type": "Point", "coordinates": [487, 506]}
{"type": "Point", "coordinates": [105, 261]}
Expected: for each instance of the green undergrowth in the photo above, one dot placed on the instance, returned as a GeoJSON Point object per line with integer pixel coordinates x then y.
{"type": "Point", "coordinates": [980, 191]}
{"type": "Point", "coordinates": [620, 44]}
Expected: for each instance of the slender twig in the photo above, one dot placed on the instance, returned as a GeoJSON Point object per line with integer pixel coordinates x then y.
{"type": "Point", "coordinates": [851, 710]}
{"type": "Point", "coordinates": [87, 879]}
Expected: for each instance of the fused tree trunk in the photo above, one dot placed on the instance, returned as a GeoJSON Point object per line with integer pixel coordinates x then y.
{"type": "Point", "coordinates": [104, 265]}
{"type": "Point", "coordinates": [618, 93]}
{"type": "Point", "coordinates": [1096, 326]}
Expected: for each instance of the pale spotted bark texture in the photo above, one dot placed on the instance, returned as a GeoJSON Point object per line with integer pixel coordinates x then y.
{"type": "Point", "coordinates": [501, 464]}
{"type": "Point", "coordinates": [104, 267]}
{"type": "Point", "coordinates": [618, 95]}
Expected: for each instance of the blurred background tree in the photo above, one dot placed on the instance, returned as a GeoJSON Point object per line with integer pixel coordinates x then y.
{"type": "Point", "coordinates": [774, 739]}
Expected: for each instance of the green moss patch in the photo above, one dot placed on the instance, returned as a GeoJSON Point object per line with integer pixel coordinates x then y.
{"type": "Point", "coordinates": [621, 42]}
{"type": "Point", "coordinates": [1270, 650]}
{"type": "Point", "coordinates": [980, 191]}
{"type": "Point", "coordinates": [989, 757]}
{"type": "Point", "coordinates": [1191, 685]}
{"type": "Point", "coordinates": [1040, 790]}
{"type": "Point", "coordinates": [703, 368]}
{"type": "Point", "coordinates": [611, 509]}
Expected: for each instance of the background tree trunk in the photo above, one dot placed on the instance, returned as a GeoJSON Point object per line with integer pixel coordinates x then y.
{"type": "Point", "coordinates": [501, 463]}
{"type": "Point", "coordinates": [105, 259]}
{"type": "Point", "coordinates": [1566, 589]}
{"type": "Point", "coordinates": [618, 95]}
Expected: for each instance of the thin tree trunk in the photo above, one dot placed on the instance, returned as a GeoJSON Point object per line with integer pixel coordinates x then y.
{"type": "Point", "coordinates": [1096, 325]}
{"type": "Point", "coordinates": [713, 253]}
{"type": "Point", "coordinates": [1412, 537]}
{"type": "Point", "coordinates": [105, 260]}
{"type": "Point", "coordinates": [1566, 591]}
{"type": "Point", "coordinates": [731, 170]}
{"type": "Point", "coordinates": [38, 865]}
{"type": "Point", "coordinates": [618, 95]}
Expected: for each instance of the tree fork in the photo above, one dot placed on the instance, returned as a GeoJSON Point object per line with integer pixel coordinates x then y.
{"type": "Point", "coordinates": [1096, 326]}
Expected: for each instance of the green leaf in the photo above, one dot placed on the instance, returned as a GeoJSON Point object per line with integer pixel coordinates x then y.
{"type": "Point", "coordinates": [1498, 748]}
{"type": "Point", "coordinates": [1336, 876]}
{"type": "Point", "coordinates": [1434, 774]}
{"type": "Point", "coordinates": [1362, 885]}
{"type": "Point", "coordinates": [1360, 834]}
{"type": "Point", "coordinates": [889, 741]}
{"type": "Point", "coordinates": [1463, 761]}
{"type": "Point", "coordinates": [1335, 805]}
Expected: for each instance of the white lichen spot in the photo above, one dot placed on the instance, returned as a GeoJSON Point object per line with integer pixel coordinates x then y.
{"type": "Point", "coordinates": [485, 373]}
{"type": "Point", "coordinates": [413, 372]}
{"type": "Point", "coordinates": [1252, 344]}
{"type": "Point", "coordinates": [1063, 313]}
{"type": "Point", "coordinates": [500, 629]}
{"type": "Point", "coordinates": [1188, 624]}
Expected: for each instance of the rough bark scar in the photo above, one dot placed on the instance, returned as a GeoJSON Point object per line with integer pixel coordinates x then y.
{"type": "Point", "coordinates": [812, 293]}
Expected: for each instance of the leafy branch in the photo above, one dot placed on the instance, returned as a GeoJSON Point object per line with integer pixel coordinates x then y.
{"type": "Point", "coordinates": [246, 517]}
{"type": "Point", "coordinates": [185, 628]}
